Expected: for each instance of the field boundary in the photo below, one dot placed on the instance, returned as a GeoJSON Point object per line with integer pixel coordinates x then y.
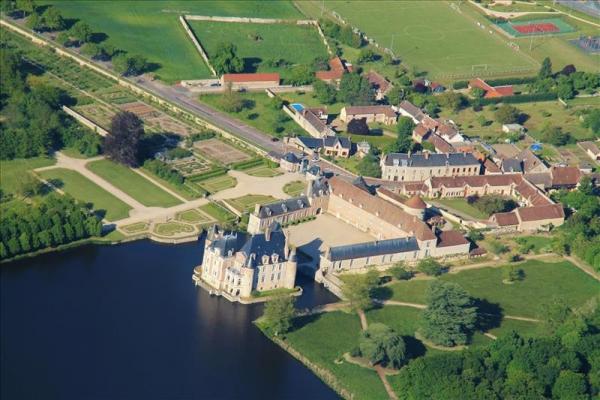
{"type": "Point", "coordinates": [197, 44]}
{"type": "Point", "coordinates": [85, 121]}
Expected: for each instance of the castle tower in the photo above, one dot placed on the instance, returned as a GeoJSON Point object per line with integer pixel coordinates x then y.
{"type": "Point", "coordinates": [415, 206]}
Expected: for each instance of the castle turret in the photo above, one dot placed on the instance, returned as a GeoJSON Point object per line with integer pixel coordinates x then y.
{"type": "Point", "coordinates": [415, 206]}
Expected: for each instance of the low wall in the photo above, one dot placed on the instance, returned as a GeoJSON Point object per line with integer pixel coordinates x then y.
{"type": "Point", "coordinates": [85, 121]}
{"type": "Point", "coordinates": [197, 44]}
{"type": "Point", "coordinates": [246, 20]}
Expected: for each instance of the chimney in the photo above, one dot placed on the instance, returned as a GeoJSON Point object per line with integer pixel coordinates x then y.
{"type": "Point", "coordinates": [427, 155]}
{"type": "Point", "coordinates": [268, 233]}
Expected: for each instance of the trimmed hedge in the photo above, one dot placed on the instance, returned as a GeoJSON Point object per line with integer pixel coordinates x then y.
{"type": "Point", "coordinates": [511, 81]}
{"type": "Point", "coordinates": [460, 85]}
{"type": "Point", "coordinates": [209, 174]}
{"type": "Point", "coordinates": [524, 98]}
{"type": "Point", "coordinates": [242, 165]}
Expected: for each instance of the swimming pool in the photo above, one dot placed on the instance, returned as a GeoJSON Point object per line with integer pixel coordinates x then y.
{"type": "Point", "coordinates": [297, 106]}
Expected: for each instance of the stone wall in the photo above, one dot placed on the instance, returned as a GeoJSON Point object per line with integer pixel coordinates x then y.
{"type": "Point", "coordinates": [197, 44]}
{"type": "Point", "coordinates": [85, 121]}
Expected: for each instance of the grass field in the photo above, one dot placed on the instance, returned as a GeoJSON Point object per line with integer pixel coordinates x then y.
{"type": "Point", "coordinates": [259, 43]}
{"type": "Point", "coordinates": [131, 183]}
{"type": "Point", "coordinates": [218, 212]}
{"type": "Point", "coordinates": [294, 188]}
{"type": "Point", "coordinates": [137, 227]}
{"type": "Point", "coordinates": [263, 171]}
{"type": "Point", "coordinates": [217, 183]}
{"type": "Point", "coordinates": [193, 217]}
{"type": "Point", "coordinates": [543, 282]}
{"type": "Point", "coordinates": [461, 205]}
{"type": "Point", "coordinates": [246, 203]}
{"type": "Point", "coordinates": [11, 171]}
{"type": "Point", "coordinates": [442, 44]}
{"type": "Point", "coordinates": [325, 338]}
{"type": "Point", "coordinates": [152, 28]}
{"type": "Point", "coordinates": [83, 189]}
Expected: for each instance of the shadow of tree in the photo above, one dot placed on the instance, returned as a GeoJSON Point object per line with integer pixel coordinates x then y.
{"type": "Point", "coordinates": [300, 322]}
{"type": "Point", "coordinates": [489, 315]}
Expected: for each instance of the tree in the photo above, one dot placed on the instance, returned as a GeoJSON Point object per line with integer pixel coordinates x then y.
{"type": "Point", "coordinates": [565, 90]}
{"type": "Point", "coordinates": [570, 385]}
{"type": "Point", "coordinates": [28, 185]}
{"type": "Point", "coordinates": [324, 92]}
{"type": "Point", "coordinates": [545, 69]}
{"type": "Point", "coordinates": [92, 50]}
{"type": "Point", "coordinates": [357, 289]}
{"type": "Point", "coordinates": [430, 267]}
{"type": "Point", "coordinates": [81, 31]}
{"type": "Point", "coordinates": [395, 95]}
{"type": "Point", "coordinates": [554, 313]}
{"type": "Point", "coordinates": [35, 22]}
{"type": "Point", "coordinates": [231, 101]}
{"type": "Point", "coordinates": [366, 55]}
{"type": "Point", "coordinates": [405, 126]}
{"type": "Point", "coordinates": [380, 344]}
{"type": "Point", "coordinates": [451, 100]}
{"type": "Point", "coordinates": [128, 65]}
{"type": "Point", "coordinates": [355, 90]}
{"type": "Point", "coordinates": [402, 145]}
{"type": "Point", "coordinates": [122, 144]}
{"type": "Point", "coordinates": [507, 114]}
{"type": "Point", "coordinates": [400, 272]}
{"type": "Point", "coordinates": [568, 70]}
{"type": "Point", "coordinates": [348, 37]}
{"type": "Point", "coordinates": [450, 316]}
{"type": "Point", "coordinates": [592, 121]}
{"type": "Point", "coordinates": [53, 20]}
{"type": "Point", "coordinates": [513, 274]}
{"type": "Point", "coordinates": [225, 59]}
{"type": "Point", "coordinates": [25, 6]}
{"type": "Point", "coordinates": [358, 126]}
{"type": "Point", "coordinates": [301, 75]}
{"type": "Point", "coordinates": [555, 135]}
{"type": "Point", "coordinates": [477, 92]}
{"type": "Point", "coordinates": [369, 165]}
{"type": "Point", "coordinates": [278, 314]}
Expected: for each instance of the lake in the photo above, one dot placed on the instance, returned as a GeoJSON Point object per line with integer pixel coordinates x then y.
{"type": "Point", "coordinates": [127, 322]}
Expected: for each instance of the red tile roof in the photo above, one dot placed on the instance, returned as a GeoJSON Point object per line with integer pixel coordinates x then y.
{"type": "Point", "coordinates": [421, 130]}
{"type": "Point", "coordinates": [440, 144]}
{"type": "Point", "coordinates": [565, 176]}
{"type": "Point", "coordinates": [378, 81]}
{"type": "Point", "coordinates": [451, 238]}
{"type": "Point", "coordinates": [258, 77]}
{"type": "Point", "coordinates": [388, 111]}
{"type": "Point", "coordinates": [337, 70]}
{"type": "Point", "coordinates": [505, 219]}
{"type": "Point", "coordinates": [416, 202]}
{"type": "Point", "coordinates": [540, 213]}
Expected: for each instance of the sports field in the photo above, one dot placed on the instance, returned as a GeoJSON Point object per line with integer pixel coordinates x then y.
{"type": "Point", "coordinates": [545, 26]}
{"type": "Point", "coordinates": [258, 44]}
{"type": "Point", "coordinates": [152, 28]}
{"type": "Point", "coordinates": [430, 36]}
{"type": "Point", "coordinates": [83, 189]}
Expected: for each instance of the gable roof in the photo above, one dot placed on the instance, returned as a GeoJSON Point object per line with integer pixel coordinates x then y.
{"type": "Point", "coordinates": [591, 147]}
{"type": "Point", "coordinates": [378, 81]}
{"type": "Point", "coordinates": [411, 110]}
{"type": "Point", "coordinates": [530, 160]}
{"type": "Point", "coordinates": [565, 176]}
{"type": "Point", "coordinates": [388, 111]}
{"type": "Point", "coordinates": [331, 141]}
{"type": "Point", "coordinates": [337, 69]}
{"type": "Point", "coordinates": [451, 238]}
{"type": "Point", "coordinates": [370, 249]}
{"type": "Point", "coordinates": [505, 218]}
{"type": "Point", "coordinates": [539, 213]}
{"type": "Point", "coordinates": [440, 144]}
{"type": "Point", "coordinates": [314, 120]}
{"type": "Point", "coordinates": [258, 77]}
{"type": "Point", "coordinates": [383, 209]}
{"type": "Point", "coordinates": [430, 160]}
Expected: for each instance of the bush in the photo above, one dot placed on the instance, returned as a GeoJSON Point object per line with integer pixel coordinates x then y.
{"type": "Point", "coordinates": [399, 272]}
{"type": "Point", "coordinates": [498, 248]}
{"type": "Point", "coordinates": [177, 152]}
{"type": "Point", "coordinates": [164, 171]}
{"type": "Point", "coordinates": [358, 126]}
{"type": "Point", "coordinates": [430, 267]}
{"type": "Point", "coordinates": [460, 85]}
{"type": "Point", "coordinates": [513, 274]}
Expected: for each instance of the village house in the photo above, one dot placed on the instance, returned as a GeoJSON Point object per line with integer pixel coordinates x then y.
{"type": "Point", "coordinates": [335, 146]}
{"type": "Point", "coordinates": [591, 149]}
{"type": "Point", "coordinates": [382, 114]}
{"type": "Point", "coordinates": [312, 120]}
{"type": "Point", "coordinates": [525, 162]}
{"type": "Point", "coordinates": [258, 81]}
{"type": "Point", "coordinates": [290, 162]}
{"type": "Point", "coordinates": [337, 68]}
{"type": "Point", "coordinates": [379, 83]}
{"type": "Point", "coordinates": [530, 219]}
{"type": "Point", "coordinates": [491, 91]}
{"type": "Point", "coordinates": [408, 109]}
{"type": "Point", "coordinates": [363, 148]}
{"type": "Point", "coordinates": [421, 166]}
{"type": "Point", "coordinates": [236, 264]}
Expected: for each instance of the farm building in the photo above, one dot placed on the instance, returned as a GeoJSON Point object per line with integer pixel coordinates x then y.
{"type": "Point", "coordinates": [256, 81]}
{"type": "Point", "coordinates": [337, 68]}
{"type": "Point", "coordinates": [491, 91]}
{"type": "Point", "coordinates": [379, 83]}
{"type": "Point", "coordinates": [591, 149]}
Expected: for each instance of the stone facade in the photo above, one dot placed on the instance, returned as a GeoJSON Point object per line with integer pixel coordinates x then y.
{"type": "Point", "coordinates": [237, 264]}
{"type": "Point", "coordinates": [421, 166]}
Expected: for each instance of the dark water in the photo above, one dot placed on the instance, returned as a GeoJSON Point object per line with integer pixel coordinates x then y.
{"type": "Point", "coordinates": [126, 322]}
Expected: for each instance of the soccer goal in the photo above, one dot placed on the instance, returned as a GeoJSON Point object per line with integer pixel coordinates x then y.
{"type": "Point", "coordinates": [479, 68]}
{"type": "Point", "coordinates": [455, 7]}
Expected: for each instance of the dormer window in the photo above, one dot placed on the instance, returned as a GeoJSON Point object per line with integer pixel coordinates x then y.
{"type": "Point", "coordinates": [265, 259]}
{"type": "Point", "coordinates": [275, 258]}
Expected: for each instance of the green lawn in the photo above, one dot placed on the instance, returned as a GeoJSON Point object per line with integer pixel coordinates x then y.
{"type": "Point", "coordinates": [543, 282]}
{"type": "Point", "coordinates": [137, 227]}
{"type": "Point", "coordinates": [193, 217]}
{"type": "Point", "coordinates": [258, 44]}
{"type": "Point", "coordinates": [325, 339]}
{"type": "Point", "coordinates": [81, 188]}
{"type": "Point", "coordinates": [11, 171]}
{"type": "Point", "coordinates": [461, 205]}
{"type": "Point", "coordinates": [445, 42]}
{"type": "Point", "coordinates": [133, 184]}
{"type": "Point", "coordinates": [263, 171]}
{"type": "Point", "coordinates": [152, 28]}
{"type": "Point", "coordinates": [218, 212]}
{"type": "Point", "coordinates": [295, 188]}
{"type": "Point", "coordinates": [246, 203]}
{"type": "Point", "coordinates": [184, 191]}
{"type": "Point", "coordinates": [217, 183]}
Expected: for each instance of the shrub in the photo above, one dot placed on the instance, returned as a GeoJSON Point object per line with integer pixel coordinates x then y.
{"type": "Point", "coordinates": [358, 126]}
{"type": "Point", "coordinates": [498, 248]}
{"type": "Point", "coordinates": [430, 267]}
{"type": "Point", "coordinates": [176, 153]}
{"type": "Point", "coordinates": [513, 274]}
{"type": "Point", "coordinates": [399, 272]}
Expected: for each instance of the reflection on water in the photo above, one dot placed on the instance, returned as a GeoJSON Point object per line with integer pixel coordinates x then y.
{"type": "Point", "coordinates": [126, 322]}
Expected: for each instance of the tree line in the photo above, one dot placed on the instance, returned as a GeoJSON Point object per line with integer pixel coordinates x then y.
{"type": "Point", "coordinates": [34, 123]}
{"type": "Point", "coordinates": [53, 221]}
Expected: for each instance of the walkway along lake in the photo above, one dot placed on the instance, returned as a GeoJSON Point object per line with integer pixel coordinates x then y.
{"type": "Point", "coordinates": [126, 322]}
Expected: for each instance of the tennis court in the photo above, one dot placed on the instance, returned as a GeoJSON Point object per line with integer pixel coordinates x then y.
{"type": "Point", "coordinates": [536, 27]}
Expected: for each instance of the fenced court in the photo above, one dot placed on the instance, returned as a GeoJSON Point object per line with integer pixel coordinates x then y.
{"type": "Point", "coordinates": [218, 150]}
{"type": "Point", "coordinates": [588, 44]}
{"type": "Point", "coordinates": [536, 27]}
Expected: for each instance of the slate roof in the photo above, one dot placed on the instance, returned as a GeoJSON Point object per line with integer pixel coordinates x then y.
{"type": "Point", "coordinates": [431, 160]}
{"type": "Point", "coordinates": [310, 142]}
{"type": "Point", "coordinates": [291, 158]}
{"type": "Point", "coordinates": [370, 249]}
{"type": "Point", "coordinates": [283, 207]}
{"type": "Point", "coordinates": [512, 165]}
{"type": "Point", "coordinates": [259, 246]}
{"type": "Point", "coordinates": [331, 141]}
{"type": "Point", "coordinates": [229, 241]}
